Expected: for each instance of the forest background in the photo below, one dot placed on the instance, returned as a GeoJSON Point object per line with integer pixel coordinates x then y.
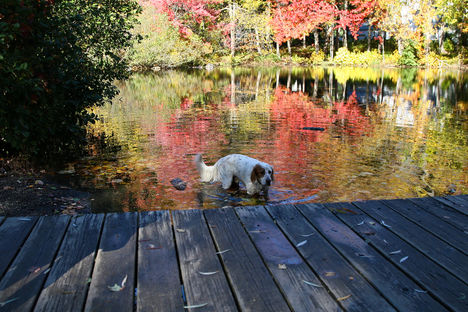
{"type": "Point", "coordinates": [264, 32]}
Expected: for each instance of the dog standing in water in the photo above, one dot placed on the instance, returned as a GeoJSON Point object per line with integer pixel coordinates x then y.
{"type": "Point", "coordinates": [254, 174]}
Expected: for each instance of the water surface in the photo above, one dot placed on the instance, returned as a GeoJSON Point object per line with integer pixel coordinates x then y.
{"type": "Point", "coordinates": [378, 134]}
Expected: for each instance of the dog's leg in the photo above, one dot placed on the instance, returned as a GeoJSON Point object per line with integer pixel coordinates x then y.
{"type": "Point", "coordinates": [234, 184]}
{"type": "Point", "coordinates": [227, 181]}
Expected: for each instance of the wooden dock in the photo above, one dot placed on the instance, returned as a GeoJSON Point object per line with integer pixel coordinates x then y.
{"type": "Point", "coordinates": [395, 255]}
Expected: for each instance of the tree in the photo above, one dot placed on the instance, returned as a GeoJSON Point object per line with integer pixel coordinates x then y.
{"type": "Point", "coordinates": [58, 59]}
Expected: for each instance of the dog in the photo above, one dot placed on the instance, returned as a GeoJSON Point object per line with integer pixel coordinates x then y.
{"type": "Point", "coordinates": [256, 175]}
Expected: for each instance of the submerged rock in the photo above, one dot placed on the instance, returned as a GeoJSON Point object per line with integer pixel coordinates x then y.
{"type": "Point", "coordinates": [178, 184]}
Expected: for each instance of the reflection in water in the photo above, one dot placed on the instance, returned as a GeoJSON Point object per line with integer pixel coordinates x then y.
{"type": "Point", "coordinates": [336, 134]}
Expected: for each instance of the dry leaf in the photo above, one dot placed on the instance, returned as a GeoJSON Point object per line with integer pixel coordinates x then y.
{"type": "Point", "coordinates": [311, 284]}
{"type": "Point", "coordinates": [343, 298]}
{"type": "Point", "coordinates": [421, 291]}
{"type": "Point", "coordinates": [221, 252]}
{"type": "Point", "coordinates": [180, 230]}
{"type": "Point", "coordinates": [195, 306]}
{"type": "Point", "coordinates": [116, 287]}
{"type": "Point", "coordinates": [151, 246]}
{"type": "Point", "coordinates": [208, 273]}
{"type": "Point", "coordinates": [384, 224]}
{"type": "Point", "coordinates": [307, 235]}
{"type": "Point", "coordinates": [330, 274]}
{"type": "Point", "coordinates": [3, 303]}
{"type": "Point", "coordinates": [301, 243]}
{"type": "Point", "coordinates": [282, 266]}
{"type": "Point", "coordinates": [361, 223]}
{"type": "Point", "coordinates": [403, 259]}
{"type": "Point", "coordinates": [395, 252]}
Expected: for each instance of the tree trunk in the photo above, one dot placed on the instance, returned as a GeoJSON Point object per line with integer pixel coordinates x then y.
{"type": "Point", "coordinates": [232, 15]}
{"type": "Point", "coordinates": [289, 47]}
{"type": "Point", "coordinates": [345, 36]}
{"type": "Point", "coordinates": [400, 46]}
{"type": "Point", "coordinates": [316, 41]}
{"type": "Point", "coordinates": [257, 39]}
{"type": "Point", "coordinates": [332, 42]}
{"type": "Point", "coordinates": [369, 34]}
{"type": "Point", "coordinates": [441, 36]}
{"type": "Point", "coordinates": [383, 46]}
{"type": "Point", "coordinates": [304, 42]}
{"type": "Point", "coordinates": [277, 50]}
{"type": "Point", "coordinates": [233, 87]}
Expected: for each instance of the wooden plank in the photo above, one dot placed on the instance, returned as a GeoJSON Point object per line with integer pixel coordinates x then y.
{"type": "Point", "coordinates": [333, 269]}
{"type": "Point", "coordinates": [277, 251]}
{"type": "Point", "coordinates": [253, 285]}
{"type": "Point", "coordinates": [460, 200]}
{"type": "Point", "coordinates": [1, 219]}
{"type": "Point", "coordinates": [197, 254]}
{"type": "Point", "coordinates": [431, 277]}
{"type": "Point", "coordinates": [445, 255]}
{"type": "Point", "coordinates": [442, 211]}
{"type": "Point", "coordinates": [66, 286]}
{"type": "Point", "coordinates": [158, 282]}
{"type": "Point", "coordinates": [13, 232]}
{"type": "Point", "coordinates": [454, 203]}
{"type": "Point", "coordinates": [431, 223]}
{"type": "Point", "coordinates": [22, 282]}
{"type": "Point", "coordinates": [114, 265]}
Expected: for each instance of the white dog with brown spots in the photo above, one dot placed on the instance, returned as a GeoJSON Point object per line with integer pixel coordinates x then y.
{"type": "Point", "coordinates": [254, 174]}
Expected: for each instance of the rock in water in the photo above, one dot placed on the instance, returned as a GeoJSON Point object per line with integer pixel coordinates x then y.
{"type": "Point", "coordinates": [178, 184]}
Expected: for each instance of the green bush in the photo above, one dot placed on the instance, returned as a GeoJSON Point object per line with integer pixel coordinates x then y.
{"type": "Point", "coordinates": [58, 58]}
{"type": "Point", "coordinates": [409, 54]}
{"type": "Point", "coordinates": [345, 57]}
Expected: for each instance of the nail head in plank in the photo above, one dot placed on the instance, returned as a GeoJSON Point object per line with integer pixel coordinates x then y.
{"type": "Point", "coordinates": [158, 272]}
{"type": "Point", "coordinates": [115, 263]}
{"type": "Point", "coordinates": [197, 254]}
{"type": "Point", "coordinates": [26, 275]}
{"type": "Point", "coordinates": [440, 283]}
{"type": "Point", "coordinates": [445, 255]}
{"type": "Point", "coordinates": [431, 223]}
{"type": "Point", "coordinates": [276, 250]}
{"type": "Point", "coordinates": [67, 283]}
{"type": "Point", "coordinates": [13, 232]}
{"type": "Point", "coordinates": [393, 284]}
{"type": "Point", "coordinates": [253, 285]}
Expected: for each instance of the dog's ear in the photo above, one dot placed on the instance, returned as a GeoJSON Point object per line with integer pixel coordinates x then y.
{"type": "Point", "coordinates": [257, 173]}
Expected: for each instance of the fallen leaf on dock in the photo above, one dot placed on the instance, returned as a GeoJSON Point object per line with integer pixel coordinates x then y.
{"type": "Point", "coordinates": [384, 224]}
{"type": "Point", "coordinates": [151, 246]}
{"type": "Point", "coordinates": [116, 287]}
{"type": "Point", "coordinates": [343, 298]}
{"type": "Point", "coordinates": [301, 243]}
{"type": "Point", "coordinates": [421, 291]}
{"type": "Point", "coordinates": [195, 306]}
{"type": "Point", "coordinates": [307, 235]}
{"type": "Point", "coordinates": [221, 252]}
{"type": "Point", "coordinates": [257, 231]}
{"type": "Point", "coordinates": [207, 273]}
{"type": "Point", "coordinates": [361, 223]}
{"type": "Point", "coordinates": [3, 303]}
{"type": "Point", "coordinates": [395, 252]}
{"type": "Point", "coordinates": [403, 259]}
{"type": "Point", "coordinates": [330, 274]}
{"type": "Point", "coordinates": [180, 230]}
{"type": "Point", "coordinates": [282, 266]}
{"type": "Point", "coordinates": [311, 284]}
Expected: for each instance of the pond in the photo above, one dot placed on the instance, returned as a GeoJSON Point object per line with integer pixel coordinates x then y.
{"type": "Point", "coordinates": [332, 134]}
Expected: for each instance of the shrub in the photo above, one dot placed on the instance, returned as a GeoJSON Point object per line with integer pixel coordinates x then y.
{"type": "Point", "coordinates": [345, 57]}
{"type": "Point", "coordinates": [409, 54]}
{"type": "Point", "coordinates": [58, 58]}
{"type": "Point", "coordinates": [317, 58]}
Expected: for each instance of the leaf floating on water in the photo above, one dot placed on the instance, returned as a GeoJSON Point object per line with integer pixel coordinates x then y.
{"type": "Point", "coordinates": [180, 230]}
{"type": "Point", "coordinates": [282, 266]}
{"type": "Point", "coordinates": [116, 287]}
{"type": "Point", "coordinates": [3, 303]}
{"type": "Point", "coordinates": [403, 259]}
{"type": "Point", "coordinates": [208, 273]}
{"type": "Point", "coordinates": [307, 235]}
{"type": "Point", "coordinates": [301, 243]}
{"type": "Point", "coordinates": [384, 224]}
{"type": "Point", "coordinates": [221, 252]}
{"type": "Point", "coordinates": [361, 223]}
{"type": "Point", "coordinates": [395, 252]}
{"type": "Point", "coordinates": [421, 291]}
{"type": "Point", "coordinates": [343, 298]}
{"type": "Point", "coordinates": [311, 284]}
{"type": "Point", "coordinates": [195, 306]}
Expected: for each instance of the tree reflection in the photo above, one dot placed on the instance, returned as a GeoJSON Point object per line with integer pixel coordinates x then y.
{"type": "Point", "coordinates": [387, 134]}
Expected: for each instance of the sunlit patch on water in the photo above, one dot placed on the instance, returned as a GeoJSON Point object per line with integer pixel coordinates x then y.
{"type": "Point", "coordinates": [340, 134]}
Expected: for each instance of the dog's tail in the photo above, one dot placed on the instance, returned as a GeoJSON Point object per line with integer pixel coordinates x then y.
{"type": "Point", "coordinates": [206, 172]}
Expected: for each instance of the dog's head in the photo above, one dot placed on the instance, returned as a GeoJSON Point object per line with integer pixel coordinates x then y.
{"type": "Point", "coordinates": [263, 175]}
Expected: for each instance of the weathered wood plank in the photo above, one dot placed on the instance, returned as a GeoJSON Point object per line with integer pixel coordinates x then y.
{"type": "Point", "coordinates": [24, 279]}
{"type": "Point", "coordinates": [451, 201]}
{"type": "Point", "coordinates": [438, 282]}
{"type": "Point", "coordinates": [442, 211]}
{"type": "Point", "coordinates": [277, 251]}
{"type": "Point", "coordinates": [158, 282]}
{"type": "Point", "coordinates": [253, 285]}
{"type": "Point", "coordinates": [431, 223]}
{"type": "Point", "coordinates": [197, 254]}
{"type": "Point", "coordinates": [333, 269]}
{"type": "Point", "coordinates": [13, 232]}
{"type": "Point", "coordinates": [66, 286]}
{"type": "Point", "coordinates": [445, 255]}
{"type": "Point", "coordinates": [114, 265]}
